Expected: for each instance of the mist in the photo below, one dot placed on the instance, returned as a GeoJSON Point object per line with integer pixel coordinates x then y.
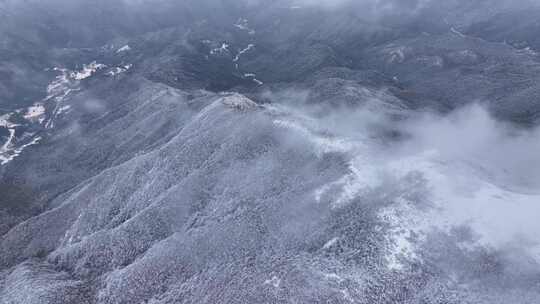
{"type": "Point", "coordinates": [473, 170]}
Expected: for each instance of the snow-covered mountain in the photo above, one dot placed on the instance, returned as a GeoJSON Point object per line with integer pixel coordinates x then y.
{"type": "Point", "coordinates": [160, 151]}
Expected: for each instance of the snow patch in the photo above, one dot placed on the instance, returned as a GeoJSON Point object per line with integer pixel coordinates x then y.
{"type": "Point", "coordinates": [64, 109]}
{"type": "Point", "coordinates": [7, 144]}
{"type": "Point", "coordinates": [37, 111]}
{"type": "Point", "coordinates": [252, 76]}
{"type": "Point", "coordinates": [8, 153]}
{"type": "Point", "coordinates": [331, 243]}
{"type": "Point", "coordinates": [274, 281]}
{"type": "Point", "coordinates": [87, 71]}
{"type": "Point", "coordinates": [396, 54]}
{"type": "Point", "coordinates": [243, 24]}
{"type": "Point", "coordinates": [457, 32]}
{"type": "Point", "coordinates": [125, 48]}
{"type": "Point", "coordinates": [220, 50]}
{"type": "Point", "coordinates": [63, 84]}
{"type": "Point", "coordinates": [243, 51]}
{"type": "Point", "coordinates": [4, 121]}
{"type": "Point", "coordinates": [528, 51]}
{"type": "Point", "coordinates": [119, 70]}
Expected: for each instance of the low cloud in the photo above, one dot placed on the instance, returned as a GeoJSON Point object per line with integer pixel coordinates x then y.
{"type": "Point", "coordinates": [474, 170]}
